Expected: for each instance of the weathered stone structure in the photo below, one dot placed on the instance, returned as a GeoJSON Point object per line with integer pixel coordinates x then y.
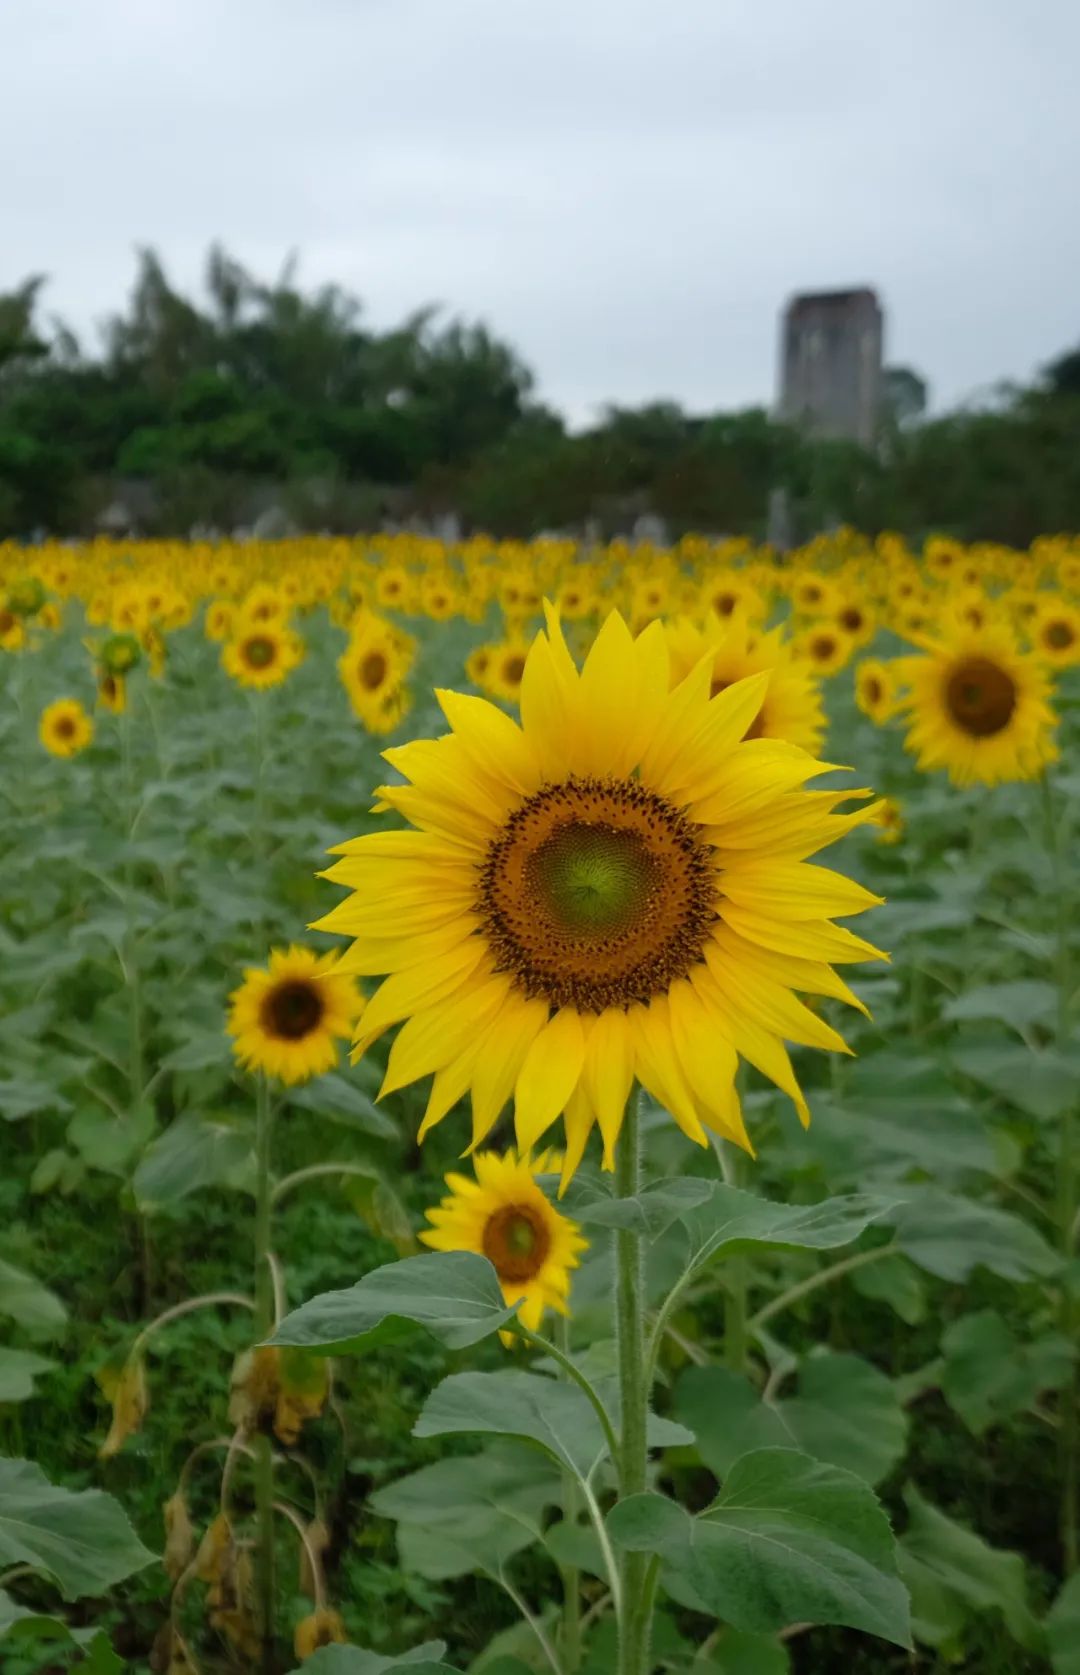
{"type": "Point", "coordinates": [830, 364]}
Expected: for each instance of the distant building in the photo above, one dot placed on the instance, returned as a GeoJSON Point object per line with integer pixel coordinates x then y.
{"type": "Point", "coordinates": [830, 364]}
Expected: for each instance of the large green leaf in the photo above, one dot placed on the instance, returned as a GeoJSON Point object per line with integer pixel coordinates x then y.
{"type": "Point", "coordinates": [1063, 1629]}
{"type": "Point", "coordinates": [20, 1097]}
{"type": "Point", "coordinates": [1041, 1084]}
{"type": "Point", "coordinates": [557, 1416]}
{"type": "Point", "coordinates": [1019, 1005]}
{"type": "Point", "coordinates": [353, 1660]}
{"type": "Point", "coordinates": [740, 1653]}
{"type": "Point", "coordinates": [19, 1624]}
{"type": "Point", "coordinates": [19, 1368]}
{"type": "Point", "coordinates": [454, 1295]}
{"type": "Point", "coordinates": [470, 1512]}
{"type": "Point", "coordinates": [81, 1539]}
{"type": "Point", "coordinates": [846, 1413]}
{"type": "Point", "coordinates": [193, 1154]}
{"type": "Point", "coordinates": [989, 1374]}
{"type": "Point", "coordinates": [967, 1571]}
{"type": "Point", "coordinates": [334, 1097]}
{"type": "Point", "coordinates": [730, 1221]}
{"type": "Point", "coordinates": [650, 1214]}
{"type": "Point", "coordinates": [788, 1540]}
{"type": "Point", "coordinates": [951, 1236]}
{"type": "Point", "coordinates": [25, 1300]}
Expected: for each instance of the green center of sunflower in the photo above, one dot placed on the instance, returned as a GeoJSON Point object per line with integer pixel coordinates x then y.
{"type": "Point", "coordinates": [259, 651]}
{"type": "Point", "coordinates": [980, 697]}
{"type": "Point", "coordinates": [592, 878]}
{"type": "Point", "coordinates": [292, 1010]}
{"type": "Point", "coordinates": [597, 893]}
{"type": "Point", "coordinates": [517, 1242]}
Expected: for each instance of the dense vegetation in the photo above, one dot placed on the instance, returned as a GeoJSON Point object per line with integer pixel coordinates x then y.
{"type": "Point", "coordinates": [195, 403]}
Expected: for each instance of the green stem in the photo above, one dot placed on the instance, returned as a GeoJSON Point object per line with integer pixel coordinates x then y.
{"type": "Point", "coordinates": [635, 1623]}
{"type": "Point", "coordinates": [264, 1322]}
{"type": "Point", "coordinates": [570, 1645]}
{"type": "Point", "coordinates": [1069, 1437]}
{"type": "Point", "coordinates": [824, 1276]}
{"type": "Point", "coordinates": [572, 1372]}
{"type": "Point", "coordinates": [136, 1075]}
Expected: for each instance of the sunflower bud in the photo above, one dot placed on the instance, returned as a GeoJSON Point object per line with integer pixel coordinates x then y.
{"type": "Point", "coordinates": [120, 653]}
{"type": "Point", "coordinates": [26, 596]}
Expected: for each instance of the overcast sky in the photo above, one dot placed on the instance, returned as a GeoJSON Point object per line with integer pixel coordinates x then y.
{"type": "Point", "coordinates": [627, 190]}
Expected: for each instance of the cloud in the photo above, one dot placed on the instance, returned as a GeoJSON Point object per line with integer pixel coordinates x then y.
{"type": "Point", "coordinates": [626, 190]}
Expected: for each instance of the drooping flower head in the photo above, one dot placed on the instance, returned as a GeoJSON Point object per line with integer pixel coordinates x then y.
{"type": "Point", "coordinates": [505, 1215]}
{"type": "Point", "coordinates": [287, 1018]}
{"type": "Point", "coordinates": [618, 888]}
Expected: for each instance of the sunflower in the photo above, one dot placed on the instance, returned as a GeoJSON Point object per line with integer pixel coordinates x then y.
{"type": "Point", "coordinates": [264, 606]}
{"type": "Point", "coordinates": [979, 708]}
{"type": "Point", "coordinates": [504, 1215]}
{"type": "Point", "coordinates": [826, 648]}
{"type": "Point", "coordinates": [12, 632]}
{"type": "Point", "coordinates": [373, 667]}
{"type": "Point", "coordinates": [287, 1018]}
{"type": "Point", "coordinates": [263, 655]}
{"type": "Point", "coordinates": [855, 620]}
{"type": "Point", "coordinates": [506, 669]}
{"type": "Point", "coordinates": [65, 728]}
{"type": "Point", "coordinates": [617, 888]}
{"type": "Point", "coordinates": [875, 689]}
{"type": "Point", "coordinates": [220, 617]}
{"type": "Point", "coordinates": [889, 821]}
{"type": "Point", "coordinates": [1054, 632]}
{"type": "Point", "coordinates": [791, 706]}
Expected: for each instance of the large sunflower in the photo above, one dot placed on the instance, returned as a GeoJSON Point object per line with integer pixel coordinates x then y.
{"type": "Point", "coordinates": [287, 1019]}
{"type": "Point", "coordinates": [791, 706]}
{"type": "Point", "coordinates": [617, 888]}
{"type": "Point", "coordinates": [505, 1216]}
{"type": "Point", "coordinates": [978, 707]}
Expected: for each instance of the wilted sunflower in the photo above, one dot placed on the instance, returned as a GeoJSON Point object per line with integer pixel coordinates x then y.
{"type": "Point", "coordinates": [979, 708]}
{"type": "Point", "coordinates": [287, 1019]}
{"type": "Point", "coordinates": [65, 728]}
{"type": "Point", "coordinates": [791, 706]}
{"type": "Point", "coordinates": [112, 691]}
{"type": "Point", "coordinates": [504, 1215]}
{"type": "Point", "coordinates": [262, 656]}
{"type": "Point", "coordinates": [617, 888]}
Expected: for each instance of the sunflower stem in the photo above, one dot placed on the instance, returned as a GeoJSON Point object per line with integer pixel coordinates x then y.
{"type": "Point", "coordinates": [264, 1321]}
{"type": "Point", "coordinates": [1069, 1435]}
{"type": "Point", "coordinates": [570, 1645]}
{"type": "Point", "coordinates": [635, 1621]}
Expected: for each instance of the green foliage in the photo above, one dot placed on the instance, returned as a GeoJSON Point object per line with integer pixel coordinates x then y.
{"type": "Point", "coordinates": [81, 1541]}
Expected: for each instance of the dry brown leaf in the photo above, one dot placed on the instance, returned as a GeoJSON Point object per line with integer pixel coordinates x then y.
{"type": "Point", "coordinates": [125, 1387]}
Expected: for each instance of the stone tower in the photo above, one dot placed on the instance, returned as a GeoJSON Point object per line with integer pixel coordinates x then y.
{"type": "Point", "coordinates": [830, 364]}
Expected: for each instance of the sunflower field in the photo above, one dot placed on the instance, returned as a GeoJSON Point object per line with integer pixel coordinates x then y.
{"type": "Point", "coordinates": [539, 1107]}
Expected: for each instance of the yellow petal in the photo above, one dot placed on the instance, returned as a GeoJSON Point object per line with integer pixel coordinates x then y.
{"type": "Point", "coordinates": [548, 1076]}
{"type": "Point", "coordinates": [500, 1060]}
{"type": "Point", "coordinates": [430, 1039]}
{"type": "Point", "coordinates": [609, 1075]}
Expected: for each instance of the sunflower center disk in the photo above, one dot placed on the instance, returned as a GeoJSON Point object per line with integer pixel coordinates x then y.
{"type": "Point", "coordinates": [292, 1010]}
{"type": "Point", "coordinates": [597, 893]}
{"type": "Point", "coordinates": [516, 1242]}
{"type": "Point", "coordinates": [980, 696]}
{"type": "Point", "coordinates": [259, 652]}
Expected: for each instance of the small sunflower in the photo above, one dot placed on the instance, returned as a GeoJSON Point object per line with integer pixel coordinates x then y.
{"type": "Point", "coordinates": [825, 647]}
{"type": "Point", "coordinates": [504, 1215]}
{"type": "Point", "coordinates": [506, 669]}
{"type": "Point", "coordinates": [875, 689]}
{"type": "Point", "coordinates": [889, 821]}
{"type": "Point", "coordinates": [791, 706]}
{"type": "Point", "coordinates": [12, 632]}
{"type": "Point", "coordinates": [286, 1019]}
{"type": "Point", "coordinates": [1054, 633]}
{"type": "Point", "coordinates": [220, 618]}
{"type": "Point", "coordinates": [979, 707]}
{"type": "Point", "coordinates": [262, 656]}
{"type": "Point", "coordinates": [65, 728]}
{"type": "Point", "coordinates": [373, 668]}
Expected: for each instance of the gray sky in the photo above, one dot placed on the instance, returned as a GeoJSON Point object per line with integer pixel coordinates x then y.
{"type": "Point", "coordinates": [627, 190]}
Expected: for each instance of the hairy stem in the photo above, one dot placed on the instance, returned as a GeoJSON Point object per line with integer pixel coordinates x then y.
{"type": "Point", "coordinates": [635, 1624]}
{"type": "Point", "coordinates": [264, 1321]}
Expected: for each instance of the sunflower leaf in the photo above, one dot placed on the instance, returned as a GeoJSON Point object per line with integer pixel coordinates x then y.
{"type": "Point", "coordinates": [454, 1295]}
{"type": "Point", "coordinates": [18, 1623]}
{"type": "Point", "coordinates": [194, 1153]}
{"type": "Point", "coordinates": [730, 1220]}
{"type": "Point", "coordinates": [354, 1660]}
{"type": "Point", "coordinates": [81, 1539]}
{"type": "Point", "coordinates": [787, 1540]}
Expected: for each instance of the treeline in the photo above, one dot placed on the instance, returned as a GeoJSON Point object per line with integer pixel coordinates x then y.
{"type": "Point", "coordinates": [189, 407]}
